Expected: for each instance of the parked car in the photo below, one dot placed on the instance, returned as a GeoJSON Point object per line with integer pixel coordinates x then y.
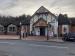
{"type": "Point", "coordinates": [69, 36]}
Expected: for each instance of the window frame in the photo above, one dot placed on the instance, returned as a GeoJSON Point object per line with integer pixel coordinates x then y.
{"type": "Point", "coordinates": [1, 30]}
{"type": "Point", "coordinates": [13, 28]}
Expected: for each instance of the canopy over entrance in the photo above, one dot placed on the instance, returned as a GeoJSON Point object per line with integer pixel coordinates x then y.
{"type": "Point", "coordinates": [40, 23]}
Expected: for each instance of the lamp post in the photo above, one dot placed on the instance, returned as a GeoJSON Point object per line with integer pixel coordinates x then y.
{"type": "Point", "coordinates": [49, 26]}
{"type": "Point", "coordinates": [33, 31]}
{"type": "Point", "coordinates": [48, 32]}
{"type": "Point", "coordinates": [20, 29]}
{"type": "Point", "coordinates": [57, 37]}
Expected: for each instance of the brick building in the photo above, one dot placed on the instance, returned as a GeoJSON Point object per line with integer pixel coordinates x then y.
{"type": "Point", "coordinates": [72, 24]}
{"type": "Point", "coordinates": [66, 25]}
{"type": "Point", "coordinates": [12, 26]}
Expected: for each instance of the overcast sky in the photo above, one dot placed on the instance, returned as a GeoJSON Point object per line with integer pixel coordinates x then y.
{"type": "Point", "coordinates": [19, 7]}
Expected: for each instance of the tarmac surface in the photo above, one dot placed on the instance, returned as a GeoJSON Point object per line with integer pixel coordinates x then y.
{"type": "Point", "coordinates": [36, 48]}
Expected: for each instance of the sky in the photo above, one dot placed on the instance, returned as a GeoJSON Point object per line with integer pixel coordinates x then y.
{"type": "Point", "coordinates": [28, 7]}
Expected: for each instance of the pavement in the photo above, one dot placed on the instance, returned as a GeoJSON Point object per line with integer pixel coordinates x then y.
{"type": "Point", "coordinates": [9, 37]}
{"type": "Point", "coordinates": [32, 38]}
{"type": "Point", "coordinates": [36, 48]}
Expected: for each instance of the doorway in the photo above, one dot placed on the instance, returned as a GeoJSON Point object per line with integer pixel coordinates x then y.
{"type": "Point", "coordinates": [42, 31]}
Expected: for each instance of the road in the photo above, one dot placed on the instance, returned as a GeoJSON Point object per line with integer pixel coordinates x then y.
{"type": "Point", "coordinates": [34, 48]}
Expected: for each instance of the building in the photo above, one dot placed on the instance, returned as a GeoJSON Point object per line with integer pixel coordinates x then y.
{"type": "Point", "coordinates": [43, 21]}
{"type": "Point", "coordinates": [65, 25]}
{"type": "Point", "coordinates": [72, 24]}
{"type": "Point", "coordinates": [12, 26]}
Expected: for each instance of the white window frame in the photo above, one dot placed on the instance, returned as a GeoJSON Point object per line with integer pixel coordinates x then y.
{"type": "Point", "coordinates": [2, 29]}
{"type": "Point", "coordinates": [12, 28]}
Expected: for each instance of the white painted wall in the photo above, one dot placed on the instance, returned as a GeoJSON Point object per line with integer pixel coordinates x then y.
{"type": "Point", "coordinates": [56, 28]}
{"type": "Point", "coordinates": [54, 24]}
{"type": "Point", "coordinates": [50, 18]}
{"type": "Point", "coordinates": [35, 18]}
{"type": "Point", "coordinates": [67, 29]}
{"type": "Point", "coordinates": [37, 31]}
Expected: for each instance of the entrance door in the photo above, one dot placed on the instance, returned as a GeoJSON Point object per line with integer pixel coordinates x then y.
{"type": "Point", "coordinates": [42, 31]}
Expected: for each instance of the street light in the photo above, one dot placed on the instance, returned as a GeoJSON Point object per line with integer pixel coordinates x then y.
{"type": "Point", "coordinates": [20, 29]}
{"type": "Point", "coordinates": [33, 31]}
{"type": "Point", "coordinates": [56, 24]}
{"type": "Point", "coordinates": [48, 31]}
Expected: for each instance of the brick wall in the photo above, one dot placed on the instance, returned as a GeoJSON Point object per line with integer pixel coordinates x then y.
{"type": "Point", "coordinates": [1, 33]}
{"type": "Point", "coordinates": [72, 29]}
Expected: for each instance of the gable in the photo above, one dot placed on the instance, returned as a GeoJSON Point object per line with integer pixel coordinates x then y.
{"type": "Point", "coordinates": [42, 10]}
{"type": "Point", "coordinates": [40, 22]}
{"type": "Point", "coordinates": [43, 13]}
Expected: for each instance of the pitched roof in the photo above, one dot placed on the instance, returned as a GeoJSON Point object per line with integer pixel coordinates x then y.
{"type": "Point", "coordinates": [63, 21]}
{"type": "Point", "coordinates": [15, 21]}
{"type": "Point", "coordinates": [42, 9]}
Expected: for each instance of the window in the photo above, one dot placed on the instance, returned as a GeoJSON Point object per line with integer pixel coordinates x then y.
{"type": "Point", "coordinates": [1, 29]}
{"type": "Point", "coordinates": [65, 29]}
{"type": "Point", "coordinates": [12, 28]}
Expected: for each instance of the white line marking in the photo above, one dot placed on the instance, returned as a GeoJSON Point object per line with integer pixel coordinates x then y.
{"type": "Point", "coordinates": [48, 46]}
{"type": "Point", "coordinates": [4, 42]}
{"type": "Point", "coordinates": [7, 43]}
